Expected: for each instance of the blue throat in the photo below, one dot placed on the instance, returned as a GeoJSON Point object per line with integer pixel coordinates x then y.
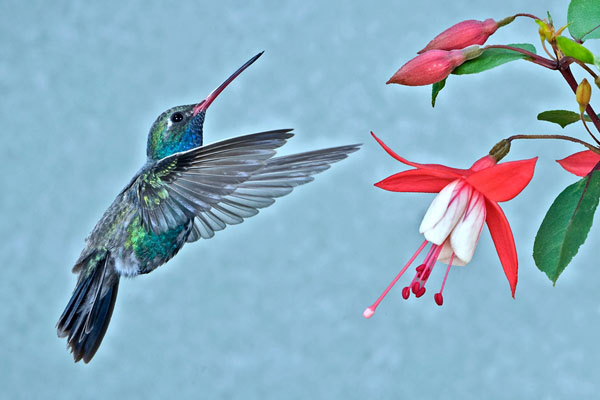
{"type": "Point", "coordinates": [191, 138]}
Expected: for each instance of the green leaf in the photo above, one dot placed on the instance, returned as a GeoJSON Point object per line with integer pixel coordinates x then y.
{"type": "Point", "coordinates": [491, 58]}
{"type": "Point", "coordinates": [561, 117]}
{"type": "Point", "coordinates": [436, 88]}
{"type": "Point", "coordinates": [575, 50]}
{"type": "Point", "coordinates": [584, 18]}
{"type": "Point", "coordinates": [566, 226]}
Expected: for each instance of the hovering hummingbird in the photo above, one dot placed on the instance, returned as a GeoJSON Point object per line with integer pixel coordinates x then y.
{"type": "Point", "coordinates": [184, 192]}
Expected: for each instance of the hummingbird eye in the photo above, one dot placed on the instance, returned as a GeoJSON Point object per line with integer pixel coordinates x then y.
{"type": "Point", "coordinates": [177, 117]}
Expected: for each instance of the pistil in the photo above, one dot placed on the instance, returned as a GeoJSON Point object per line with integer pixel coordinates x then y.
{"type": "Point", "coordinates": [369, 311]}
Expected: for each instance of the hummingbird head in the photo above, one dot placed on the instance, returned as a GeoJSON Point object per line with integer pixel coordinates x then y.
{"type": "Point", "coordinates": [180, 128]}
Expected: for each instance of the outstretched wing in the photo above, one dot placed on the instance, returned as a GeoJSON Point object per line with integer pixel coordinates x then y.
{"type": "Point", "coordinates": [182, 185]}
{"type": "Point", "coordinates": [278, 177]}
{"type": "Point", "coordinates": [222, 183]}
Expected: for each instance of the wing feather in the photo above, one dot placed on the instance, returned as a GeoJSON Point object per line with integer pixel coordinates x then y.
{"type": "Point", "coordinates": [223, 183]}
{"type": "Point", "coordinates": [278, 177]}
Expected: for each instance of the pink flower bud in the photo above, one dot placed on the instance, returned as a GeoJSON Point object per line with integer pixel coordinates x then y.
{"type": "Point", "coordinates": [463, 34]}
{"type": "Point", "coordinates": [429, 67]}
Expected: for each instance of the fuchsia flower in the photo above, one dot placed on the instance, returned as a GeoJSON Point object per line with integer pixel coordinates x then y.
{"type": "Point", "coordinates": [432, 66]}
{"type": "Point", "coordinates": [581, 163]}
{"type": "Point", "coordinates": [466, 199]}
{"type": "Point", "coordinates": [463, 34]}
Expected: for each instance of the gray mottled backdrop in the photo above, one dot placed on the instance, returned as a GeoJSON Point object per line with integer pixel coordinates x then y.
{"type": "Point", "coordinates": [271, 309]}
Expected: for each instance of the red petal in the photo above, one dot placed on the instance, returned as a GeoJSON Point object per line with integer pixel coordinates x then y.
{"type": "Point", "coordinates": [416, 180]}
{"type": "Point", "coordinates": [504, 242]}
{"type": "Point", "coordinates": [455, 172]}
{"type": "Point", "coordinates": [503, 181]}
{"type": "Point", "coordinates": [580, 163]}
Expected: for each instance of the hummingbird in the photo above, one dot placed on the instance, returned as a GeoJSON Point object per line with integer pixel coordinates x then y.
{"type": "Point", "coordinates": [186, 191]}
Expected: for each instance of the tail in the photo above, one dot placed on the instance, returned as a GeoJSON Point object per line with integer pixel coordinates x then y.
{"type": "Point", "coordinates": [88, 313]}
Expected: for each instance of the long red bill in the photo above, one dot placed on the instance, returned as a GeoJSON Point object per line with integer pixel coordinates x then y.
{"type": "Point", "coordinates": [204, 104]}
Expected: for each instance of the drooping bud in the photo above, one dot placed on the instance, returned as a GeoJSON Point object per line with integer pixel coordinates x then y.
{"type": "Point", "coordinates": [583, 94]}
{"type": "Point", "coordinates": [463, 34]}
{"type": "Point", "coordinates": [432, 66]}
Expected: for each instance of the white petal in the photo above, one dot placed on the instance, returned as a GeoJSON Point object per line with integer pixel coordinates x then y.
{"type": "Point", "coordinates": [445, 211]}
{"type": "Point", "coordinates": [465, 235]}
{"type": "Point", "coordinates": [437, 208]}
{"type": "Point", "coordinates": [446, 255]}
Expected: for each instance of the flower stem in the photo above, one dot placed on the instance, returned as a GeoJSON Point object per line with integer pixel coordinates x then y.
{"type": "Point", "coordinates": [558, 137]}
{"type": "Point", "coordinates": [588, 69]}
{"type": "Point", "coordinates": [534, 58]}
{"type": "Point", "coordinates": [546, 50]}
{"type": "Point", "coordinates": [568, 75]}
{"type": "Point", "coordinates": [588, 129]}
{"type": "Point", "coordinates": [528, 16]}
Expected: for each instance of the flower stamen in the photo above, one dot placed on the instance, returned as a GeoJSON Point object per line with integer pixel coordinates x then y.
{"type": "Point", "coordinates": [424, 266]}
{"type": "Point", "coordinates": [439, 299]}
{"type": "Point", "coordinates": [429, 263]}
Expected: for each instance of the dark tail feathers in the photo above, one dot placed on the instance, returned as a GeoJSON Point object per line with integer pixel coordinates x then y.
{"type": "Point", "coordinates": [88, 313]}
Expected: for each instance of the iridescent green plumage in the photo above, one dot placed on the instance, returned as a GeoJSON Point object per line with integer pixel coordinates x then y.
{"type": "Point", "coordinates": [184, 192]}
{"type": "Point", "coordinates": [149, 246]}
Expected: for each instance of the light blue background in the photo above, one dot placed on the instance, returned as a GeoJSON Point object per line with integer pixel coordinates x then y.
{"type": "Point", "coordinates": [272, 309]}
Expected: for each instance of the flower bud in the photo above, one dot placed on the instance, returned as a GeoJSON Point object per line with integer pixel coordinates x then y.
{"type": "Point", "coordinates": [546, 30]}
{"type": "Point", "coordinates": [583, 94]}
{"type": "Point", "coordinates": [429, 67]}
{"type": "Point", "coordinates": [463, 34]}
